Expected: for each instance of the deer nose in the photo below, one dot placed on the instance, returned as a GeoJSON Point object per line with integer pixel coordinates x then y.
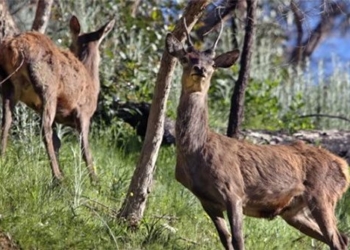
{"type": "Point", "coordinates": [199, 70]}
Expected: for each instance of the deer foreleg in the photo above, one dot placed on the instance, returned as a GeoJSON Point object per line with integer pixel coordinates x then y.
{"type": "Point", "coordinates": [235, 216]}
{"type": "Point", "coordinates": [85, 147]}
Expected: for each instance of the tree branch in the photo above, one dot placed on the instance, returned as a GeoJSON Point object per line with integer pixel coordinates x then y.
{"type": "Point", "coordinates": [327, 116]}
{"type": "Point", "coordinates": [212, 19]}
{"type": "Point", "coordinates": [329, 13]}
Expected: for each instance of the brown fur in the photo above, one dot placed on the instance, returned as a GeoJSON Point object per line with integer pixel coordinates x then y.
{"type": "Point", "coordinates": [54, 83]}
{"type": "Point", "coordinates": [298, 182]}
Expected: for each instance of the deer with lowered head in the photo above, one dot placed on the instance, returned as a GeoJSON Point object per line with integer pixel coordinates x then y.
{"type": "Point", "coordinates": [297, 182]}
{"type": "Point", "coordinates": [61, 86]}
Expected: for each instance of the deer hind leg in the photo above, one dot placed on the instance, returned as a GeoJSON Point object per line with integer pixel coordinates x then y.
{"type": "Point", "coordinates": [83, 127]}
{"type": "Point", "coordinates": [323, 212]}
{"type": "Point", "coordinates": [305, 223]}
{"type": "Point", "coordinates": [217, 216]}
{"type": "Point", "coordinates": [48, 94]}
{"type": "Point", "coordinates": [56, 142]}
{"type": "Point", "coordinates": [48, 116]}
{"type": "Point", "coordinates": [8, 104]}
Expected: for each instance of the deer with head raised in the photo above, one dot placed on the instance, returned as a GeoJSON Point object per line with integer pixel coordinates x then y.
{"type": "Point", "coordinates": [297, 182]}
{"type": "Point", "coordinates": [61, 86]}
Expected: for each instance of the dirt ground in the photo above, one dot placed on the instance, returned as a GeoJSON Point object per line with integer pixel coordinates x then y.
{"type": "Point", "coordinates": [7, 243]}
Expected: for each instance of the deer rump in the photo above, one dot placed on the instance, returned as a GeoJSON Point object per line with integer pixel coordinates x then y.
{"type": "Point", "coordinates": [270, 179]}
{"type": "Point", "coordinates": [41, 65]}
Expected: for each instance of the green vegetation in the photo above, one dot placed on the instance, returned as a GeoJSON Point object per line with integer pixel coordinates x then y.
{"type": "Point", "coordinates": [77, 215]}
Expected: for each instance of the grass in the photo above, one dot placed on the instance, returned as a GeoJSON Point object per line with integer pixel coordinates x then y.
{"type": "Point", "coordinates": [77, 215]}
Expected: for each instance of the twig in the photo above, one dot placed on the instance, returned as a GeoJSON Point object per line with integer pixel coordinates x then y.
{"type": "Point", "coordinates": [327, 116]}
{"type": "Point", "coordinates": [187, 240]}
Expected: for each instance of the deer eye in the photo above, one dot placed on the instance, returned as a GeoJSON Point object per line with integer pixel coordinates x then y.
{"type": "Point", "coordinates": [183, 60]}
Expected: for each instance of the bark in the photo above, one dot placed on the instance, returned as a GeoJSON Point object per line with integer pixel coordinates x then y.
{"type": "Point", "coordinates": [237, 99]}
{"type": "Point", "coordinates": [8, 26]}
{"type": "Point", "coordinates": [135, 202]}
{"type": "Point", "coordinates": [42, 15]}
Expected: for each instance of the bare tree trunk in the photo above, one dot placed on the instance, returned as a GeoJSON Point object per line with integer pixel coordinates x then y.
{"type": "Point", "coordinates": [8, 26]}
{"type": "Point", "coordinates": [135, 203]}
{"type": "Point", "coordinates": [42, 15]}
{"type": "Point", "coordinates": [237, 100]}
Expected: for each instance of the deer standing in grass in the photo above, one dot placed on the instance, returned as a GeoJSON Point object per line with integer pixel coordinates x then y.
{"type": "Point", "coordinates": [59, 85]}
{"type": "Point", "coordinates": [300, 183]}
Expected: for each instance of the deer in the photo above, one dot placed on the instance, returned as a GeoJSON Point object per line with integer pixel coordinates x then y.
{"type": "Point", "coordinates": [60, 85]}
{"type": "Point", "coordinates": [298, 182]}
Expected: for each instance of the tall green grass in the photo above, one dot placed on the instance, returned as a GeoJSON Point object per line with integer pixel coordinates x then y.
{"type": "Point", "coordinates": [76, 215]}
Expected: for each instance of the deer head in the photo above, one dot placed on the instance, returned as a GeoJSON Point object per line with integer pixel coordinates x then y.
{"type": "Point", "coordinates": [85, 44]}
{"type": "Point", "coordinates": [198, 66]}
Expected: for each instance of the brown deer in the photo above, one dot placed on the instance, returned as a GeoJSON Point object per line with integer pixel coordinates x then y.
{"type": "Point", "coordinates": [298, 182]}
{"type": "Point", "coordinates": [59, 85]}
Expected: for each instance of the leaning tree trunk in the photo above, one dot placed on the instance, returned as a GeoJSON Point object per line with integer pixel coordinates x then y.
{"type": "Point", "coordinates": [237, 100]}
{"type": "Point", "coordinates": [42, 15]}
{"type": "Point", "coordinates": [8, 26]}
{"type": "Point", "coordinates": [135, 202]}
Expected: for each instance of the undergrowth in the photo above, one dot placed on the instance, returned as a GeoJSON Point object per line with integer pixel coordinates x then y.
{"type": "Point", "coordinates": [76, 215]}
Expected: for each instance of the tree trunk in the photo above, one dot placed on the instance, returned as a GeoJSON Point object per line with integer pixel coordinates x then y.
{"type": "Point", "coordinates": [42, 15]}
{"type": "Point", "coordinates": [8, 26]}
{"type": "Point", "coordinates": [135, 202]}
{"type": "Point", "coordinates": [237, 100]}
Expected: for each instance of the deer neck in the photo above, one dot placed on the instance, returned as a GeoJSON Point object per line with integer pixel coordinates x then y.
{"type": "Point", "coordinates": [91, 60]}
{"type": "Point", "coordinates": [192, 122]}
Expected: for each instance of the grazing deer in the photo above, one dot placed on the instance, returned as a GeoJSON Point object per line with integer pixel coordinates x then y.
{"type": "Point", "coordinates": [61, 86]}
{"type": "Point", "coordinates": [300, 183]}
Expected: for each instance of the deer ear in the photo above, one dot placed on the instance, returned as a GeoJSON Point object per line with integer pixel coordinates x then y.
{"type": "Point", "coordinates": [105, 29]}
{"type": "Point", "coordinates": [74, 26]}
{"type": "Point", "coordinates": [227, 59]}
{"type": "Point", "coordinates": [174, 46]}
